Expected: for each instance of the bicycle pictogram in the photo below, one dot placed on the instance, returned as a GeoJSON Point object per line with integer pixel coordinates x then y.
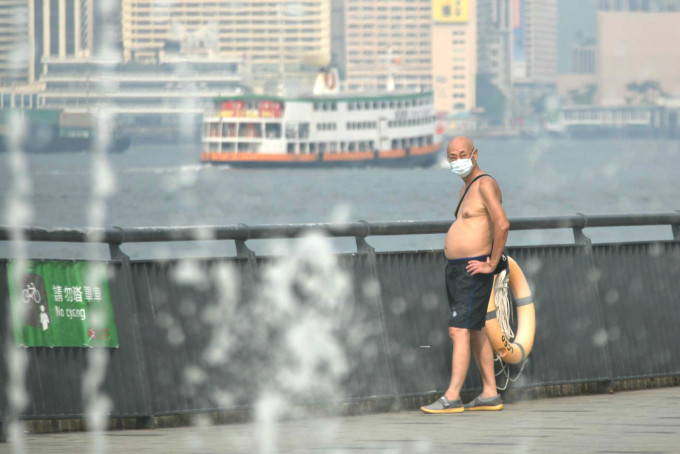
{"type": "Point", "coordinates": [30, 293]}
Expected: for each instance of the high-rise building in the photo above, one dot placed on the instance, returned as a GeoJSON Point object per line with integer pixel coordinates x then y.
{"type": "Point", "coordinates": [584, 58]}
{"type": "Point", "coordinates": [454, 50]}
{"type": "Point", "coordinates": [634, 64]}
{"type": "Point", "coordinates": [59, 29]}
{"type": "Point", "coordinates": [534, 54]}
{"type": "Point", "coordinates": [338, 53]}
{"type": "Point", "coordinates": [534, 25]}
{"type": "Point", "coordinates": [494, 48]}
{"type": "Point", "coordinates": [653, 6]}
{"type": "Point", "coordinates": [387, 41]}
{"type": "Point", "coordinates": [272, 36]}
{"type": "Point", "coordinates": [14, 33]}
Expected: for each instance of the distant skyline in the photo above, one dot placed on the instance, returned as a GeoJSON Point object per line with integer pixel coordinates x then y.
{"type": "Point", "coordinates": [576, 20]}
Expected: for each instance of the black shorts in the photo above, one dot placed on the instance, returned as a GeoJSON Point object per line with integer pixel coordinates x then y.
{"type": "Point", "coordinates": [468, 295]}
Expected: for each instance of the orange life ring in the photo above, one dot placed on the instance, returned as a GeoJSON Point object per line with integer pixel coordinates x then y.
{"type": "Point", "coordinates": [513, 351]}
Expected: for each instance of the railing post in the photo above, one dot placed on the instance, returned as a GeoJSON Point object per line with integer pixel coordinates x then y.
{"type": "Point", "coordinates": [117, 254]}
{"type": "Point", "coordinates": [580, 238]}
{"type": "Point", "coordinates": [366, 249]}
{"type": "Point", "coordinates": [243, 251]}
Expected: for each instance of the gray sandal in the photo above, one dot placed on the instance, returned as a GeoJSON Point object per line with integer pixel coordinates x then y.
{"type": "Point", "coordinates": [443, 405]}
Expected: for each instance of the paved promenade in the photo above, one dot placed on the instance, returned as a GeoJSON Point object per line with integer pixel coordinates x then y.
{"type": "Point", "coordinates": [645, 421]}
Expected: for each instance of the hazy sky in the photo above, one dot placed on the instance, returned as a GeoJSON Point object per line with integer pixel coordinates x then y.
{"type": "Point", "coordinates": [575, 18]}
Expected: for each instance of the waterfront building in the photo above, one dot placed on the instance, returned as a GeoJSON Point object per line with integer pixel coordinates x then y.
{"type": "Point", "coordinates": [144, 98]}
{"type": "Point", "coordinates": [454, 50]}
{"type": "Point", "coordinates": [387, 42]}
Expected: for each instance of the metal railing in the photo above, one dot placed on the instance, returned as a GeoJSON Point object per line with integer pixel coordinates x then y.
{"type": "Point", "coordinates": [605, 313]}
{"type": "Point", "coordinates": [360, 229]}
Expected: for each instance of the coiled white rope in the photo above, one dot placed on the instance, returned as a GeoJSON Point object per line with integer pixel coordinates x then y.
{"type": "Point", "coordinates": [502, 300]}
{"type": "Point", "coordinates": [504, 316]}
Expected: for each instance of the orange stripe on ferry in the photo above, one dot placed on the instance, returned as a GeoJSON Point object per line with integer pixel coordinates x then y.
{"type": "Point", "coordinates": [426, 150]}
{"type": "Point", "coordinates": [391, 154]}
{"type": "Point", "coordinates": [360, 156]}
{"type": "Point", "coordinates": [259, 157]}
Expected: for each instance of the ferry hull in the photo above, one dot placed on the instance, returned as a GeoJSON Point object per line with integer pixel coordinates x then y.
{"type": "Point", "coordinates": [417, 157]}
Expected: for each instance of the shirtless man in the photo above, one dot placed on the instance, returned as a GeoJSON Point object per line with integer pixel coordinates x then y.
{"type": "Point", "coordinates": [473, 247]}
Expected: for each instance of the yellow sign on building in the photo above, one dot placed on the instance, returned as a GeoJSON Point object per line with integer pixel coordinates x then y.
{"type": "Point", "coordinates": [450, 10]}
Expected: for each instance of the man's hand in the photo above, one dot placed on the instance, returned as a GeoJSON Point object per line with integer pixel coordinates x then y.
{"type": "Point", "coordinates": [475, 267]}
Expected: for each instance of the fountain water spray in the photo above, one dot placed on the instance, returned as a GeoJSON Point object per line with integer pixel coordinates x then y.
{"type": "Point", "coordinates": [18, 213]}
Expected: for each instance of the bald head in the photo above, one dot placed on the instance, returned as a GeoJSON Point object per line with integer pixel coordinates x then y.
{"type": "Point", "coordinates": [460, 147]}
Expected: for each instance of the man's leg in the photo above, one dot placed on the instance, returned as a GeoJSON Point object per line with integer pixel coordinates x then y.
{"type": "Point", "coordinates": [481, 348]}
{"type": "Point", "coordinates": [460, 361]}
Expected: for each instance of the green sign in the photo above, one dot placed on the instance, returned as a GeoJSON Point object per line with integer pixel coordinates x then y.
{"type": "Point", "coordinates": [61, 304]}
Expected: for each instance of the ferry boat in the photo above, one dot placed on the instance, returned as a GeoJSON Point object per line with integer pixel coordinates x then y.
{"type": "Point", "coordinates": [323, 129]}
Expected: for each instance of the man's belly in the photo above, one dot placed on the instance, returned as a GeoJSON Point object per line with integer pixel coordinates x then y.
{"type": "Point", "coordinates": [467, 241]}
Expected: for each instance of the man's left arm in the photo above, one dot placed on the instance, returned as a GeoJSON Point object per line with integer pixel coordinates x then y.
{"type": "Point", "coordinates": [491, 197]}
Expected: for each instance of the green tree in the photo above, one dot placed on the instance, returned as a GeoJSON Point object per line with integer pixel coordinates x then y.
{"type": "Point", "coordinates": [645, 92]}
{"type": "Point", "coordinates": [584, 96]}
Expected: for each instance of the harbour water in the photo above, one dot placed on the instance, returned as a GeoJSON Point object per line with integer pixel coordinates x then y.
{"type": "Point", "coordinates": [165, 185]}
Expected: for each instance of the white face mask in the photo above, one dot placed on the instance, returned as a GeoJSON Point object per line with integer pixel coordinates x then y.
{"type": "Point", "coordinates": [462, 167]}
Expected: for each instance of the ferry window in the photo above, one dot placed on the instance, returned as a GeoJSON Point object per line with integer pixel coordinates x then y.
{"type": "Point", "coordinates": [334, 106]}
{"type": "Point", "coordinates": [273, 130]}
{"type": "Point", "coordinates": [375, 104]}
{"type": "Point", "coordinates": [303, 131]}
{"type": "Point", "coordinates": [250, 130]}
{"type": "Point", "coordinates": [383, 104]}
{"type": "Point", "coordinates": [291, 148]}
{"type": "Point", "coordinates": [333, 147]}
{"type": "Point", "coordinates": [312, 148]}
{"type": "Point", "coordinates": [391, 104]}
{"type": "Point", "coordinates": [303, 148]}
{"type": "Point", "coordinates": [350, 106]}
{"type": "Point", "coordinates": [322, 147]}
{"type": "Point", "coordinates": [229, 130]}
{"type": "Point", "coordinates": [291, 129]}
{"type": "Point", "coordinates": [343, 146]}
